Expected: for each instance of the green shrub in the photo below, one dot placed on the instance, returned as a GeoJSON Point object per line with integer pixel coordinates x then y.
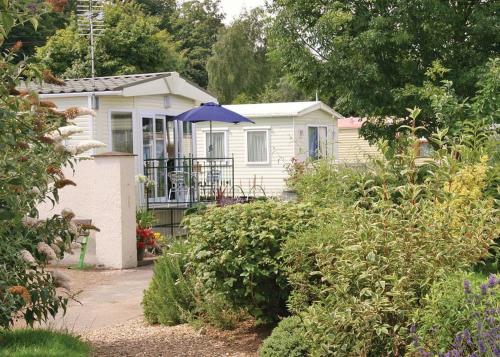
{"type": "Point", "coordinates": [324, 184]}
{"type": "Point", "coordinates": [288, 339]}
{"type": "Point", "coordinates": [456, 307]}
{"type": "Point", "coordinates": [170, 297]}
{"type": "Point", "coordinates": [28, 343]}
{"type": "Point", "coordinates": [174, 297]}
{"type": "Point", "coordinates": [32, 155]}
{"type": "Point", "coordinates": [357, 280]}
{"type": "Point", "coordinates": [237, 252]}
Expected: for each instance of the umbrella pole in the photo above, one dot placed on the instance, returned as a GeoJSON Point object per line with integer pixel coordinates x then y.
{"type": "Point", "coordinates": [210, 147]}
{"type": "Point", "coordinates": [210, 156]}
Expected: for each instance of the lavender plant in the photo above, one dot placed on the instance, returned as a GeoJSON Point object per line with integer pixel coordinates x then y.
{"type": "Point", "coordinates": [459, 321]}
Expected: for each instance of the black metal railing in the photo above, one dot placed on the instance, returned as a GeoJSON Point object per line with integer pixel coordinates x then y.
{"type": "Point", "coordinates": [184, 182]}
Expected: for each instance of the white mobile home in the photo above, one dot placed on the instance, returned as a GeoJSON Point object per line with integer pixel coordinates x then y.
{"type": "Point", "coordinates": [261, 151]}
{"type": "Point", "coordinates": [134, 114]}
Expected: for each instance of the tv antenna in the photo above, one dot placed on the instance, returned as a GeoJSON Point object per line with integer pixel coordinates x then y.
{"type": "Point", "coordinates": [90, 16]}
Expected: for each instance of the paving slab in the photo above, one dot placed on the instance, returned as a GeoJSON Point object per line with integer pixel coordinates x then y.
{"type": "Point", "coordinates": [114, 300]}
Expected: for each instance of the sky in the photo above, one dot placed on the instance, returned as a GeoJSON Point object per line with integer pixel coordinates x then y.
{"type": "Point", "coordinates": [233, 8]}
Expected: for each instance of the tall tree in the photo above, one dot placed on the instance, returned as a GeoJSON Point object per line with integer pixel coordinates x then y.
{"type": "Point", "coordinates": [363, 55]}
{"type": "Point", "coordinates": [239, 65]}
{"type": "Point", "coordinates": [132, 42]}
{"type": "Point", "coordinates": [165, 9]}
{"type": "Point", "coordinates": [195, 25]}
{"type": "Point", "coordinates": [47, 25]}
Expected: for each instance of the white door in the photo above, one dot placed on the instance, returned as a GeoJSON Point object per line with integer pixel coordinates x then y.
{"type": "Point", "coordinates": [158, 146]}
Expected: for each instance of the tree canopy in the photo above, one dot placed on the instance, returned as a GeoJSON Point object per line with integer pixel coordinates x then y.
{"type": "Point", "coordinates": [365, 56]}
{"type": "Point", "coordinates": [132, 42]}
{"type": "Point", "coordinates": [194, 27]}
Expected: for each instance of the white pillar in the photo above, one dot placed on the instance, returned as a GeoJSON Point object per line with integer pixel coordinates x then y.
{"type": "Point", "coordinates": [114, 196]}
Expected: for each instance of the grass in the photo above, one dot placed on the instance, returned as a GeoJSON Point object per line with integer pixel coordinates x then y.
{"type": "Point", "coordinates": [34, 343]}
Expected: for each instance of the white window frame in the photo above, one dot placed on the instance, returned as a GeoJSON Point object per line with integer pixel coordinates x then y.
{"type": "Point", "coordinates": [327, 141]}
{"type": "Point", "coordinates": [267, 130]}
{"type": "Point", "coordinates": [206, 132]}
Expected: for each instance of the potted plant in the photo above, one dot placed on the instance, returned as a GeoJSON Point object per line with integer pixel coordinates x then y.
{"type": "Point", "coordinates": [144, 234]}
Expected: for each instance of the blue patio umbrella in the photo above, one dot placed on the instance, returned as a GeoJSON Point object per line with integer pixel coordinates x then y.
{"type": "Point", "coordinates": [212, 112]}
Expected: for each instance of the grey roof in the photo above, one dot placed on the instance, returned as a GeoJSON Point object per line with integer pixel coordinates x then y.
{"type": "Point", "coordinates": [102, 84]}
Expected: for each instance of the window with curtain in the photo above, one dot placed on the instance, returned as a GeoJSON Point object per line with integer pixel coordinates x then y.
{"type": "Point", "coordinates": [122, 138]}
{"type": "Point", "coordinates": [317, 141]}
{"type": "Point", "coordinates": [218, 144]}
{"type": "Point", "coordinates": [312, 134]}
{"type": "Point", "coordinates": [257, 150]}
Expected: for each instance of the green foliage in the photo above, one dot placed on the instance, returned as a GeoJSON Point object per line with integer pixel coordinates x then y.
{"type": "Point", "coordinates": [145, 218]}
{"type": "Point", "coordinates": [34, 36]}
{"type": "Point", "coordinates": [448, 310]}
{"type": "Point", "coordinates": [237, 252]}
{"type": "Point", "coordinates": [28, 342]}
{"type": "Point", "coordinates": [195, 25]}
{"type": "Point", "coordinates": [287, 340]}
{"type": "Point", "coordinates": [362, 56]}
{"type": "Point", "coordinates": [238, 64]}
{"type": "Point", "coordinates": [174, 296]}
{"type": "Point", "coordinates": [30, 162]}
{"type": "Point", "coordinates": [170, 297]}
{"type": "Point", "coordinates": [358, 278]}
{"type": "Point", "coordinates": [132, 42]}
{"type": "Point", "coordinates": [324, 184]}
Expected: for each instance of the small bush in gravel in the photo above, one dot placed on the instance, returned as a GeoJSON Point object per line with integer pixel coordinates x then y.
{"type": "Point", "coordinates": [287, 340]}
{"type": "Point", "coordinates": [170, 297]}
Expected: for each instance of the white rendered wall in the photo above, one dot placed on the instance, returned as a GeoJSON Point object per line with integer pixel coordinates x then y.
{"type": "Point", "coordinates": [105, 193]}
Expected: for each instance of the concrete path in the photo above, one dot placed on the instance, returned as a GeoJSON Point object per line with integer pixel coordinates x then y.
{"type": "Point", "coordinates": [115, 300]}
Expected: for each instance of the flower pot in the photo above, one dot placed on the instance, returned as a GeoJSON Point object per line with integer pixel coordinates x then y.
{"type": "Point", "coordinates": [140, 254]}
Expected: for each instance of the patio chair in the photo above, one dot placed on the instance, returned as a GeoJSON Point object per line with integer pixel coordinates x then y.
{"type": "Point", "coordinates": [178, 185]}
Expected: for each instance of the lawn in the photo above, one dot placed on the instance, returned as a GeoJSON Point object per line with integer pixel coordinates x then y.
{"type": "Point", "coordinates": [30, 343]}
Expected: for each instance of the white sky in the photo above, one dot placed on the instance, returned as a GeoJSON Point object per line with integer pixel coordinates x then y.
{"type": "Point", "coordinates": [233, 8]}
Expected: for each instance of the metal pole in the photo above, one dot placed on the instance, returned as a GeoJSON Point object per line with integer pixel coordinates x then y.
{"type": "Point", "coordinates": [92, 59]}
{"type": "Point", "coordinates": [210, 146]}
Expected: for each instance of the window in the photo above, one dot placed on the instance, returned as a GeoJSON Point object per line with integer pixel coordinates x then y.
{"type": "Point", "coordinates": [424, 149]}
{"type": "Point", "coordinates": [218, 144]}
{"type": "Point", "coordinates": [317, 141]}
{"type": "Point", "coordinates": [122, 138]}
{"type": "Point", "coordinates": [257, 146]}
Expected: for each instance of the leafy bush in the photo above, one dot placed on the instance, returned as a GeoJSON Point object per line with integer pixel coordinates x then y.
{"type": "Point", "coordinates": [174, 297]}
{"type": "Point", "coordinates": [287, 340]}
{"type": "Point", "coordinates": [357, 279]}
{"type": "Point", "coordinates": [460, 315]}
{"type": "Point", "coordinates": [322, 183]}
{"type": "Point", "coordinates": [32, 153]}
{"type": "Point", "coordinates": [170, 297]}
{"type": "Point", "coordinates": [237, 252]}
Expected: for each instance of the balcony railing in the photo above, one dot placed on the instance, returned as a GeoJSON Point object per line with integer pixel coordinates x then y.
{"type": "Point", "coordinates": [184, 182]}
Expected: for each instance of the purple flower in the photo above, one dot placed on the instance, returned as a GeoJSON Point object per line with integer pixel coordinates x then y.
{"type": "Point", "coordinates": [482, 347]}
{"type": "Point", "coordinates": [467, 286]}
{"type": "Point", "coordinates": [413, 328]}
{"type": "Point", "coordinates": [492, 280]}
{"type": "Point", "coordinates": [484, 289]}
{"type": "Point", "coordinates": [467, 337]}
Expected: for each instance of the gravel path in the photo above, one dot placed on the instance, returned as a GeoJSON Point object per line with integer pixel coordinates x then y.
{"type": "Point", "coordinates": [110, 318]}
{"type": "Point", "coordinates": [136, 338]}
